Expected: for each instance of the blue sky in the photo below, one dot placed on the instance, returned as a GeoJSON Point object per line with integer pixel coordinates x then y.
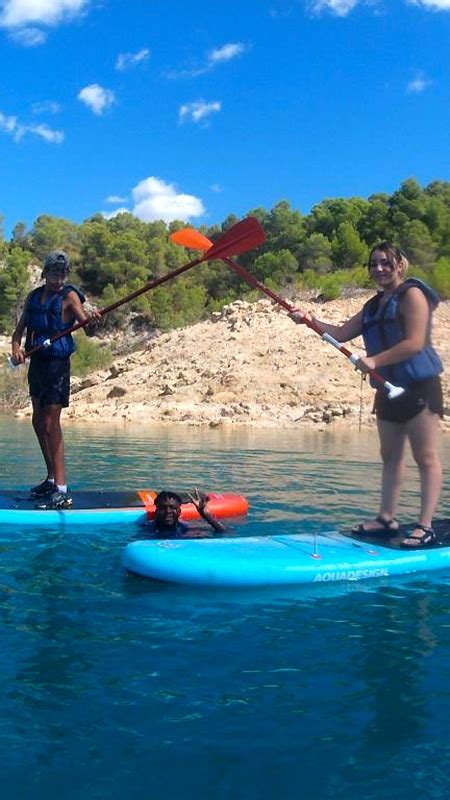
{"type": "Point", "coordinates": [196, 110]}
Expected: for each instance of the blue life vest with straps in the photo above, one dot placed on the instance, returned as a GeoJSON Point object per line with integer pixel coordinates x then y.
{"type": "Point", "coordinates": [45, 320]}
{"type": "Point", "coordinates": [383, 327]}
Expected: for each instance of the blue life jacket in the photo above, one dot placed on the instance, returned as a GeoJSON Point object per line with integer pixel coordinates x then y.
{"type": "Point", "coordinates": [45, 320]}
{"type": "Point", "coordinates": [153, 532]}
{"type": "Point", "coordinates": [383, 327]}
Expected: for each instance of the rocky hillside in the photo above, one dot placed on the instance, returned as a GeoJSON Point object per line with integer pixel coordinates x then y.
{"type": "Point", "coordinates": [248, 365]}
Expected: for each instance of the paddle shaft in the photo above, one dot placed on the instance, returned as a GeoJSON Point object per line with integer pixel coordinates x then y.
{"type": "Point", "coordinates": [189, 237]}
{"type": "Point", "coordinates": [116, 304]}
{"type": "Point", "coordinates": [393, 391]}
{"type": "Point", "coordinates": [239, 238]}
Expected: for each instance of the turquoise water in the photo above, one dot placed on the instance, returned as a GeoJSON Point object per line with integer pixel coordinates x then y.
{"type": "Point", "coordinates": [114, 686]}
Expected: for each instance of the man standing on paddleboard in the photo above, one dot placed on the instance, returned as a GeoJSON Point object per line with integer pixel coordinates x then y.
{"type": "Point", "coordinates": [49, 310]}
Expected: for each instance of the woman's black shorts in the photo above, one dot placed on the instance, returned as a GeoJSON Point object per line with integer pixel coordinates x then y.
{"type": "Point", "coordinates": [420, 395]}
{"type": "Point", "coordinates": [49, 380]}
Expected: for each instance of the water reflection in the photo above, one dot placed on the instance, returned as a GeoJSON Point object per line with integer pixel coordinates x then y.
{"type": "Point", "coordinates": [400, 649]}
{"type": "Point", "coordinates": [293, 477]}
{"type": "Point", "coordinates": [287, 692]}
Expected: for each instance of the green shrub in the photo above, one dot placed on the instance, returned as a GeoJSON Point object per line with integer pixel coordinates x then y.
{"type": "Point", "coordinates": [332, 285]}
{"type": "Point", "coordinates": [417, 272]}
{"type": "Point", "coordinates": [440, 277]}
{"type": "Point", "coordinates": [89, 356]}
{"type": "Point", "coordinates": [13, 386]}
{"type": "Point", "coordinates": [359, 277]}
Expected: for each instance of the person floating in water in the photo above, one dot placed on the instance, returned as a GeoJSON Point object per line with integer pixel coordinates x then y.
{"type": "Point", "coordinates": [50, 309]}
{"type": "Point", "coordinates": [396, 328]}
{"type": "Point", "coordinates": [166, 523]}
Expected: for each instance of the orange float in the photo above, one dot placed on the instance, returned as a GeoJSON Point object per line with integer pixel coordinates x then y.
{"type": "Point", "coordinates": [221, 505]}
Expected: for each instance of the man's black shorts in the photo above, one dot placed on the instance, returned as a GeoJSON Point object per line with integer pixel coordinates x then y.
{"type": "Point", "coordinates": [49, 380]}
{"type": "Point", "coordinates": [420, 395]}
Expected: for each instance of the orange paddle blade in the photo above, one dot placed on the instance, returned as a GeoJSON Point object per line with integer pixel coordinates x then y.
{"type": "Point", "coordinates": [189, 237]}
{"type": "Point", "coordinates": [147, 496]}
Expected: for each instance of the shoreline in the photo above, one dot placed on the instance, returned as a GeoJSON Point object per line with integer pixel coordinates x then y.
{"type": "Point", "coordinates": [248, 366]}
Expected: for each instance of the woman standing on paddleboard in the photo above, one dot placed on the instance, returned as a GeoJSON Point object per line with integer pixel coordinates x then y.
{"type": "Point", "coordinates": [396, 327]}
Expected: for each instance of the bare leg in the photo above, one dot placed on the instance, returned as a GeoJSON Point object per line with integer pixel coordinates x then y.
{"type": "Point", "coordinates": [38, 421]}
{"type": "Point", "coordinates": [423, 435]}
{"type": "Point", "coordinates": [392, 448]}
{"type": "Point", "coordinates": [47, 426]}
{"type": "Point", "coordinates": [55, 442]}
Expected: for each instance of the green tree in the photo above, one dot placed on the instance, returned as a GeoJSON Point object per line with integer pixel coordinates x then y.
{"type": "Point", "coordinates": [20, 237]}
{"type": "Point", "coordinates": [436, 218]}
{"type": "Point", "coordinates": [374, 226]}
{"type": "Point", "coordinates": [439, 190]}
{"type": "Point", "coordinates": [127, 260]}
{"type": "Point", "coordinates": [407, 203]}
{"type": "Point", "coordinates": [280, 268]}
{"type": "Point", "coordinates": [440, 277]}
{"type": "Point", "coordinates": [2, 241]}
{"type": "Point", "coordinates": [127, 223]}
{"type": "Point", "coordinates": [316, 254]}
{"type": "Point", "coordinates": [14, 286]}
{"type": "Point", "coordinates": [416, 241]}
{"type": "Point", "coordinates": [347, 247]}
{"type": "Point", "coordinates": [229, 221]}
{"type": "Point", "coordinates": [94, 270]}
{"type": "Point", "coordinates": [327, 216]}
{"type": "Point", "coordinates": [285, 229]}
{"type": "Point", "coordinates": [54, 233]}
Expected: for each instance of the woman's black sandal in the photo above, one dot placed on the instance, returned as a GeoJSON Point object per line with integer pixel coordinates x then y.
{"type": "Point", "coordinates": [390, 527]}
{"type": "Point", "coordinates": [427, 538]}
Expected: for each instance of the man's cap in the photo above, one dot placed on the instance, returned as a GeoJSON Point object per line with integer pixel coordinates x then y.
{"type": "Point", "coordinates": [57, 258]}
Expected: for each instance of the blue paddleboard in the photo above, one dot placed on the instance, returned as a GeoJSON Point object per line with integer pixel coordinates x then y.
{"type": "Point", "coordinates": [93, 508]}
{"type": "Point", "coordinates": [277, 560]}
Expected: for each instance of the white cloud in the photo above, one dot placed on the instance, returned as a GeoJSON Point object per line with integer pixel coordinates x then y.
{"type": "Point", "coordinates": [434, 5]}
{"type": "Point", "coordinates": [115, 213]}
{"type": "Point", "coordinates": [97, 98]}
{"type": "Point", "coordinates": [217, 56]}
{"type": "Point", "coordinates": [8, 124]}
{"type": "Point", "coordinates": [199, 110]}
{"type": "Point", "coordinates": [128, 60]}
{"type": "Point", "coordinates": [226, 53]}
{"type": "Point", "coordinates": [12, 127]}
{"type": "Point", "coordinates": [28, 37]}
{"type": "Point", "coordinates": [155, 199]}
{"type": "Point", "coordinates": [22, 13]}
{"type": "Point", "coordinates": [341, 8]}
{"type": "Point", "coordinates": [46, 107]}
{"type": "Point", "coordinates": [418, 84]}
{"type": "Point", "coordinates": [338, 7]}
{"type": "Point", "coordinates": [115, 198]}
{"type": "Point", "coordinates": [46, 133]}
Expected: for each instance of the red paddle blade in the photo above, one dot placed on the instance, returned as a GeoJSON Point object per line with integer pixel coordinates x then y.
{"type": "Point", "coordinates": [241, 238]}
{"type": "Point", "coordinates": [189, 237]}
